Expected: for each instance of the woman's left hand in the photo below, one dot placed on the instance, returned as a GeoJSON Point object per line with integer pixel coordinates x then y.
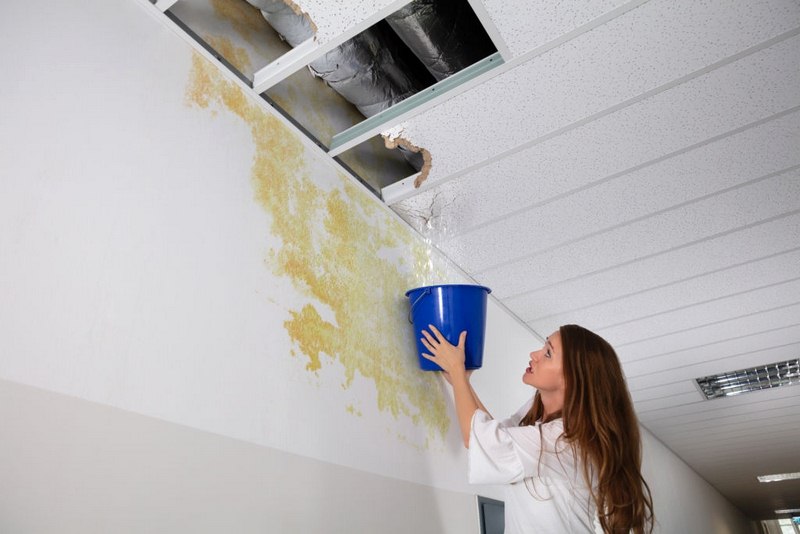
{"type": "Point", "coordinates": [443, 353]}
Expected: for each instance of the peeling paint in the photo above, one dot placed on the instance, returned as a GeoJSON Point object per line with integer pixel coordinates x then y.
{"type": "Point", "coordinates": [394, 142]}
{"type": "Point", "coordinates": [337, 248]}
{"type": "Point", "coordinates": [299, 11]}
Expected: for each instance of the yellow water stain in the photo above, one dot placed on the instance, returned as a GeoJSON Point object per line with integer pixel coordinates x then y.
{"type": "Point", "coordinates": [306, 98]}
{"type": "Point", "coordinates": [245, 18]}
{"type": "Point", "coordinates": [353, 410]}
{"type": "Point", "coordinates": [320, 109]}
{"type": "Point", "coordinates": [237, 56]}
{"type": "Point", "coordinates": [332, 245]}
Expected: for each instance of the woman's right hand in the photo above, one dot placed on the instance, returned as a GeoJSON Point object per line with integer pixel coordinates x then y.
{"type": "Point", "coordinates": [450, 358]}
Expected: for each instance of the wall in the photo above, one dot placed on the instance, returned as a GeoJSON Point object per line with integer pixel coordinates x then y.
{"type": "Point", "coordinates": [84, 467]}
{"type": "Point", "coordinates": [684, 502]}
{"type": "Point", "coordinates": [197, 305]}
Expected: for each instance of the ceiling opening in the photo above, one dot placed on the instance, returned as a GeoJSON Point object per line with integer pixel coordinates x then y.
{"type": "Point", "coordinates": [343, 97]}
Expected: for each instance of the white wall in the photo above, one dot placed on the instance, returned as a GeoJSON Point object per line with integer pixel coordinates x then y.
{"type": "Point", "coordinates": [147, 210]}
{"type": "Point", "coordinates": [683, 501]}
{"type": "Point", "coordinates": [69, 465]}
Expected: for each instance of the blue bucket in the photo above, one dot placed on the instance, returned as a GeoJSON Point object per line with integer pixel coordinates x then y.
{"type": "Point", "coordinates": [452, 309]}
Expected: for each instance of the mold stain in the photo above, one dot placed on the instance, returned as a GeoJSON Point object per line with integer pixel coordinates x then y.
{"type": "Point", "coordinates": [245, 18]}
{"type": "Point", "coordinates": [249, 31]}
{"type": "Point", "coordinates": [237, 56]}
{"type": "Point", "coordinates": [337, 246]}
{"type": "Point", "coordinates": [307, 99]}
{"type": "Point", "coordinates": [310, 102]}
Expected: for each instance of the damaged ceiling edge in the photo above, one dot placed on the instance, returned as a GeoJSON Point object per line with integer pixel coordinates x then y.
{"type": "Point", "coordinates": [299, 12]}
{"type": "Point", "coordinates": [397, 142]}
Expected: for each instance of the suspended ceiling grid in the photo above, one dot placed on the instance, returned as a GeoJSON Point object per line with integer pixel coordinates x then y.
{"type": "Point", "coordinates": [634, 167]}
{"type": "Point", "coordinates": [640, 174]}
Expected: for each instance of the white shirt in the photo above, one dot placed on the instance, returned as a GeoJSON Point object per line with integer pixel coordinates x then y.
{"type": "Point", "coordinates": [546, 492]}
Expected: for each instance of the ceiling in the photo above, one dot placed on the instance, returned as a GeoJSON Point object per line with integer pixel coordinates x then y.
{"type": "Point", "coordinates": [633, 167]}
{"type": "Point", "coordinates": [639, 174]}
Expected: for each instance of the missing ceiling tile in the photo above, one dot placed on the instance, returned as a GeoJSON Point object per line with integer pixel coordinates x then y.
{"type": "Point", "coordinates": [350, 93]}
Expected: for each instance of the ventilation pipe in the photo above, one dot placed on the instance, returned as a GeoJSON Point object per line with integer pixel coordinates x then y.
{"type": "Point", "coordinates": [444, 34]}
{"type": "Point", "coordinates": [372, 71]}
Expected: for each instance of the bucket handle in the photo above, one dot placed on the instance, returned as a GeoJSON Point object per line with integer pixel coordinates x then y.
{"type": "Point", "coordinates": [411, 310]}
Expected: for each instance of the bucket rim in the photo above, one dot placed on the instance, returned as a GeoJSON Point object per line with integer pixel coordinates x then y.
{"type": "Point", "coordinates": [488, 290]}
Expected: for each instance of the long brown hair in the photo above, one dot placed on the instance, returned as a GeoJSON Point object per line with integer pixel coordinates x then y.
{"type": "Point", "coordinates": [601, 425]}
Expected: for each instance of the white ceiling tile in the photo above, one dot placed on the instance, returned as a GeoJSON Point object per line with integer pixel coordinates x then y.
{"type": "Point", "coordinates": [334, 17]}
{"type": "Point", "coordinates": [689, 397]}
{"type": "Point", "coordinates": [722, 416]}
{"type": "Point", "coordinates": [782, 450]}
{"type": "Point", "coordinates": [666, 391]}
{"type": "Point", "coordinates": [748, 302]}
{"type": "Point", "coordinates": [638, 52]}
{"type": "Point", "coordinates": [719, 428]}
{"type": "Point", "coordinates": [701, 366]}
{"type": "Point", "coordinates": [680, 296]}
{"type": "Point", "coordinates": [751, 244]}
{"type": "Point", "coordinates": [720, 451]}
{"type": "Point", "coordinates": [709, 169]}
{"type": "Point", "coordinates": [702, 335]}
{"type": "Point", "coordinates": [757, 86]}
{"type": "Point", "coordinates": [717, 433]}
{"type": "Point", "coordinates": [691, 223]}
{"type": "Point", "coordinates": [756, 439]}
{"type": "Point", "coordinates": [715, 351]}
{"type": "Point", "coordinates": [726, 453]}
{"type": "Point", "coordinates": [525, 26]}
{"type": "Point", "coordinates": [698, 408]}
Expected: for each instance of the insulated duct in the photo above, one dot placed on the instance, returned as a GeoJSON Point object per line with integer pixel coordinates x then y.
{"type": "Point", "coordinates": [292, 27]}
{"type": "Point", "coordinates": [373, 71]}
{"type": "Point", "coordinates": [444, 34]}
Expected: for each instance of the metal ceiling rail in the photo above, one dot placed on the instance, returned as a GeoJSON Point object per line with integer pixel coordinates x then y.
{"type": "Point", "coordinates": [164, 5]}
{"type": "Point", "coordinates": [412, 105]}
{"type": "Point", "coordinates": [491, 29]}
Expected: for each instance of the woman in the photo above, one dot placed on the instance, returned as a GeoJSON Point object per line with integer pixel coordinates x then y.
{"type": "Point", "coordinates": [572, 455]}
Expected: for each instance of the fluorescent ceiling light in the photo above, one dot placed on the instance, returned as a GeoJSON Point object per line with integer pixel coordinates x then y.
{"type": "Point", "coordinates": [753, 379]}
{"type": "Point", "coordinates": [778, 478]}
{"type": "Point", "coordinates": [788, 511]}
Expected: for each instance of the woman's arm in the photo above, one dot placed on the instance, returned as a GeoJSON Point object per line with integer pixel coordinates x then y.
{"type": "Point", "coordinates": [478, 400]}
{"type": "Point", "coordinates": [451, 359]}
{"type": "Point", "coordinates": [465, 405]}
{"type": "Point", "coordinates": [474, 395]}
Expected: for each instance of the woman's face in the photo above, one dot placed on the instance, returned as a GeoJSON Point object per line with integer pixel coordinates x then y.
{"type": "Point", "coordinates": [545, 372]}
